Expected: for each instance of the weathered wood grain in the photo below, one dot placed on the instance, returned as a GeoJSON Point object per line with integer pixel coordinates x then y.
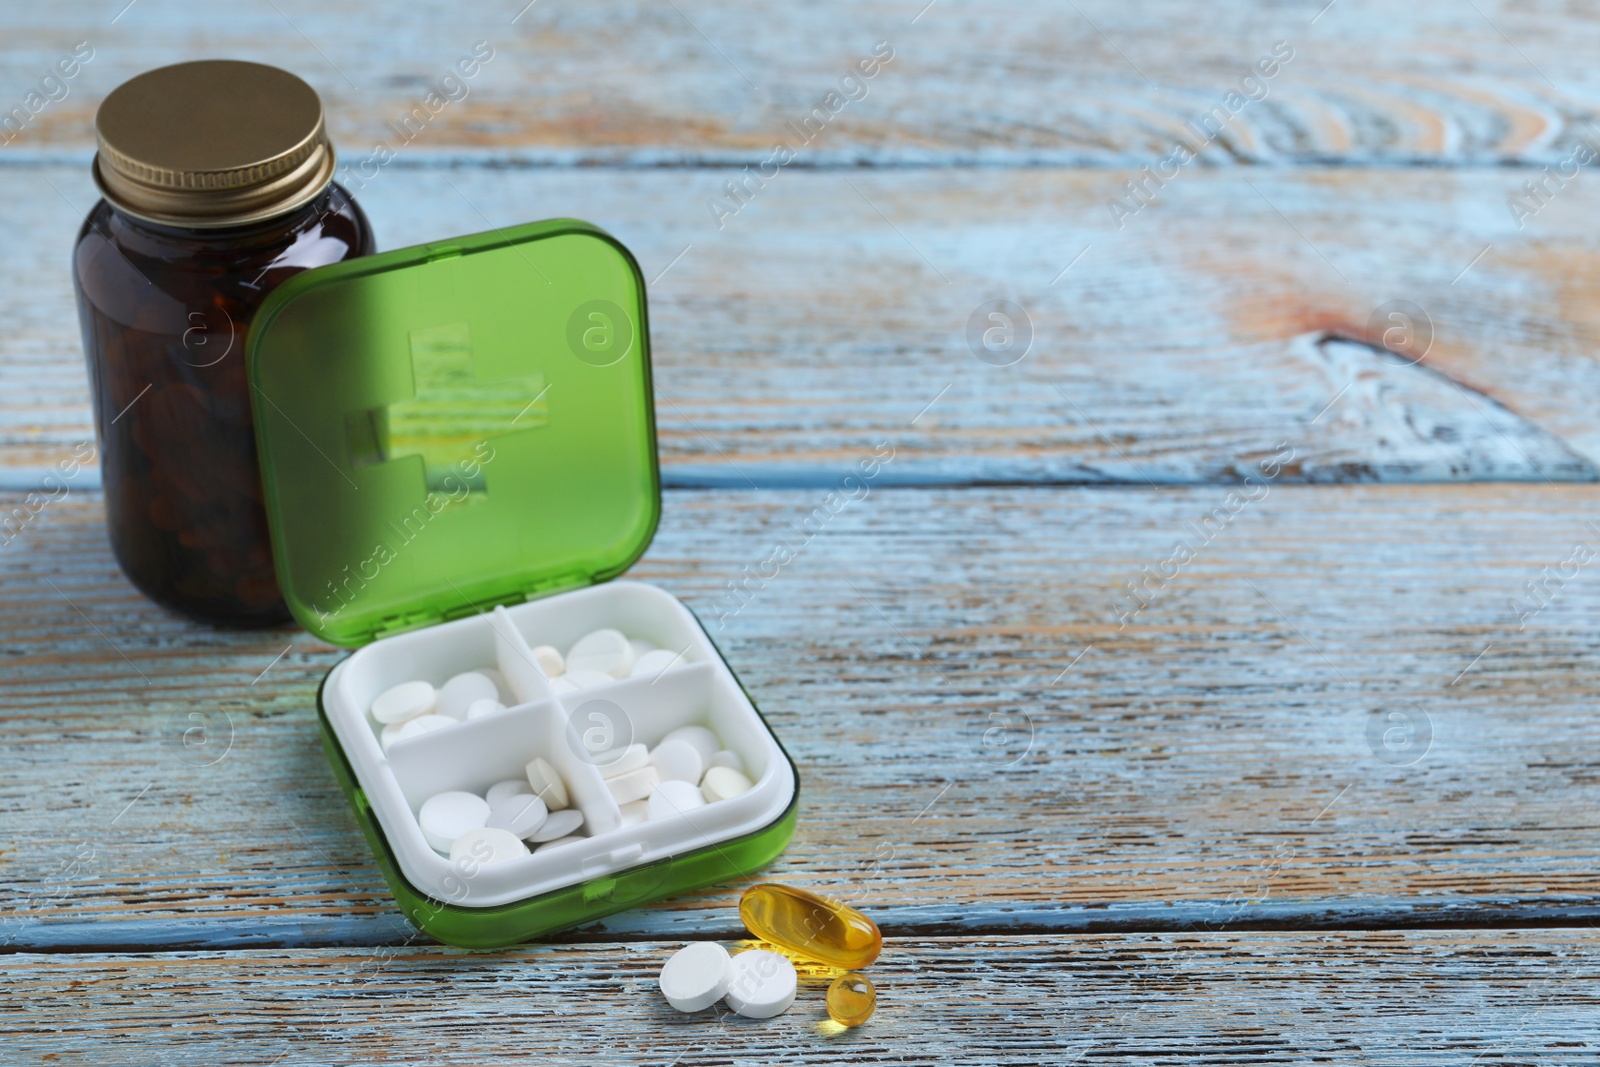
{"type": "Point", "coordinates": [832, 314]}
{"type": "Point", "coordinates": [1518, 996]}
{"type": "Point", "coordinates": [1092, 83]}
{"type": "Point", "coordinates": [983, 746]}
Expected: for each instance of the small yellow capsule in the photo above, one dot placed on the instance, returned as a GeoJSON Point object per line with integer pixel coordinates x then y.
{"type": "Point", "coordinates": [851, 1000]}
{"type": "Point", "coordinates": [810, 926]}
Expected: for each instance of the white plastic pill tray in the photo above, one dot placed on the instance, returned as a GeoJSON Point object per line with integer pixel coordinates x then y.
{"type": "Point", "coordinates": [574, 731]}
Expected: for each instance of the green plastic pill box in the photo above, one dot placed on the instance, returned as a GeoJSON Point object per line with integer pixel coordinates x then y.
{"type": "Point", "coordinates": [458, 455]}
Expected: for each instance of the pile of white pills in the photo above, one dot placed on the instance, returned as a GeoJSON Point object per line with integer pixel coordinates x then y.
{"type": "Point", "coordinates": [501, 824]}
{"type": "Point", "coordinates": [600, 658]}
{"type": "Point", "coordinates": [687, 769]}
{"type": "Point", "coordinates": [756, 983]}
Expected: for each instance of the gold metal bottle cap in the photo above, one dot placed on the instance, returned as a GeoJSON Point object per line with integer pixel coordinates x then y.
{"type": "Point", "coordinates": [218, 142]}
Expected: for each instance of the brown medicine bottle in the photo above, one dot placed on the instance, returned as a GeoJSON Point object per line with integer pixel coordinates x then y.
{"type": "Point", "coordinates": [217, 178]}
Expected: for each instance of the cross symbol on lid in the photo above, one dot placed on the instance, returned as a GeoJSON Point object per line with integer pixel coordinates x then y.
{"type": "Point", "coordinates": [451, 410]}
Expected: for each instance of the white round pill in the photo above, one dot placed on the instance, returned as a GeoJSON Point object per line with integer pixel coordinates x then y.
{"type": "Point", "coordinates": [696, 976]}
{"type": "Point", "coordinates": [502, 690]}
{"type": "Point", "coordinates": [606, 651]}
{"type": "Point", "coordinates": [522, 815]}
{"type": "Point", "coordinates": [674, 798]}
{"type": "Point", "coordinates": [546, 783]}
{"type": "Point", "coordinates": [562, 684]}
{"type": "Point", "coordinates": [511, 787]}
{"type": "Point", "coordinates": [558, 842]}
{"type": "Point", "coordinates": [404, 701]}
{"type": "Point", "coordinates": [586, 679]}
{"type": "Point", "coordinates": [723, 783]}
{"type": "Point", "coordinates": [677, 761]}
{"type": "Point", "coordinates": [635, 812]}
{"type": "Point", "coordinates": [479, 708]}
{"type": "Point", "coordinates": [446, 816]}
{"type": "Point", "coordinates": [622, 760]}
{"type": "Point", "coordinates": [761, 984]}
{"type": "Point", "coordinates": [635, 785]}
{"type": "Point", "coordinates": [485, 847]}
{"type": "Point", "coordinates": [653, 663]}
{"type": "Point", "coordinates": [699, 737]}
{"type": "Point", "coordinates": [422, 724]}
{"type": "Point", "coordinates": [549, 661]}
{"type": "Point", "coordinates": [559, 824]}
{"type": "Point", "coordinates": [727, 758]}
{"type": "Point", "coordinates": [640, 646]}
{"type": "Point", "coordinates": [457, 695]}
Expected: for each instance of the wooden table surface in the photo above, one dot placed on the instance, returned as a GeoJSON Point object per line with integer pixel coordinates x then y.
{"type": "Point", "coordinates": [1163, 826]}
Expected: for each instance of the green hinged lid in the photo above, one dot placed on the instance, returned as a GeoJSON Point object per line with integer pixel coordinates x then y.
{"type": "Point", "coordinates": [455, 425]}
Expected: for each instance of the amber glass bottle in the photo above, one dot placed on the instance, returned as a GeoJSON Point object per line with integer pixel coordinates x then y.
{"type": "Point", "coordinates": [217, 184]}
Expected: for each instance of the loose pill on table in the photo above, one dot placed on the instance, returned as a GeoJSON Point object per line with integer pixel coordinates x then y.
{"type": "Point", "coordinates": [677, 761]}
{"type": "Point", "coordinates": [812, 927]}
{"type": "Point", "coordinates": [698, 736]}
{"type": "Point", "coordinates": [761, 984]}
{"type": "Point", "coordinates": [458, 694]}
{"type": "Point", "coordinates": [635, 785]}
{"type": "Point", "coordinates": [622, 760]}
{"type": "Point", "coordinates": [404, 701]}
{"type": "Point", "coordinates": [654, 662]}
{"type": "Point", "coordinates": [634, 812]}
{"type": "Point", "coordinates": [422, 724]}
{"type": "Point", "coordinates": [851, 1000]}
{"type": "Point", "coordinates": [559, 824]}
{"type": "Point", "coordinates": [511, 787]}
{"type": "Point", "coordinates": [549, 661]}
{"type": "Point", "coordinates": [446, 816]}
{"type": "Point", "coordinates": [606, 651]}
{"type": "Point", "coordinates": [696, 976]}
{"type": "Point", "coordinates": [585, 679]}
{"type": "Point", "coordinates": [723, 783]}
{"type": "Point", "coordinates": [674, 798]}
{"type": "Point", "coordinates": [546, 783]}
{"type": "Point", "coordinates": [486, 846]}
{"type": "Point", "coordinates": [479, 708]}
{"type": "Point", "coordinates": [728, 758]}
{"type": "Point", "coordinates": [558, 842]}
{"type": "Point", "coordinates": [522, 815]}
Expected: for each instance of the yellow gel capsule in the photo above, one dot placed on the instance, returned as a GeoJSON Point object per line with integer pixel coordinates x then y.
{"type": "Point", "coordinates": [810, 926]}
{"type": "Point", "coordinates": [851, 1000]}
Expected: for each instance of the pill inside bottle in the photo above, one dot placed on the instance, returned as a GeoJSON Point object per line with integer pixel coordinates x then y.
{"type": "Point", "coordinates": [811, 927]}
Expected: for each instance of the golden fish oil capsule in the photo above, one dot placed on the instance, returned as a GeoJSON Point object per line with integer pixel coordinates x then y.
{"type": "Point", "coordinates": [851, 1000]}
{"type": "Point", "coordinates": [810, 926]}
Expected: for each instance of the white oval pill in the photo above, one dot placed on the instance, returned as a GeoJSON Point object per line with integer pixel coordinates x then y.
{"type": "Point", "coordinates": [521, 815]}
{"type": "Point", "coordinates": [559, 824]}
{"type": "Point", "coordinates": [485, 847]}
{"type": "Point", "coordinates": [606, 651]}
{"type": "Point", "coordinates": [479, 708]}
{"type": "Point", "coordinates": [586, 679]}
{"type": "Point", "coordinates": [677, 761]}
{"type": "Point", "coordinates": [727, 758]}
{"type": "Point", "coordinates": [404, 701]}
{"type": "Point", "coordinates": [511, 787]}
{"type": "Point", "coordinates": [761, 984]}
{"type": "Point", "coordinates": [635, 812]}
{"type": "Point", "coordinates": [457, 695]}
{"type": "Point", "coordinates": [723, 783]}
{"type": "Point", "coordinates": [699, 737]}
{"type": "Point", "coordinates": [653, 663]}
{"type": "Point", "coordinates": [674, 798]}
{"type": "Point", "coordinates": [622, 760]}
{"type": "Point", "coordinates": [446, 816]}
{"type": "Point", "coordinates": [635, 785]}
{"type": "Point", "coordinates": [558, 842]}
{"type": "Point", "coordinates": [422, 724]}
{"type": "Point", "coordinates": [549, 661]}
{"type": "Point", "coordinates": [696, 976]}
{"type": "Point", "coordinates": [546, 783]}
